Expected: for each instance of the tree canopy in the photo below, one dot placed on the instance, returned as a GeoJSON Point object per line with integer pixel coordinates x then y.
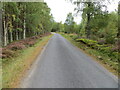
{"type": "Point", "coordinates": [25, 19]}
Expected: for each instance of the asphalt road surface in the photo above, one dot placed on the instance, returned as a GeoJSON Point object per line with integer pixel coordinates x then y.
{"type": "Point", "coordinates": [62, 65]}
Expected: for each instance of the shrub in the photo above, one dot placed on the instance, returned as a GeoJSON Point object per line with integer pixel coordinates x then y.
{"type": "Point", "coordinates": [65, 31]}
{"type": "Point", "coordinates": [39, 36]}
{"type": "Point", "coordinates": [98, 46]}
{"type": "Point", "coordinates": [94, 44]}
{"type": "Point", "coordinates": [0, 55]}
{"type": "Point", "coordinates": [30, 43]}
{"type": "Point", "coordinates": [115, 54]}
{"type": "Point", "coordinates": [101, 41]}
{"type": "Point", "coordinates": [118, 45]}
{"type": "Point", "coordinates": [4, 56]}
{"type": "Point", "coordinates": [7, 53]}
{"type": "Point", "coordinates": [110, 39]}
{"type": "Point", "coordinates": [74, 37]}
{"type": "Point", "coordinates": [34, 37]}
{"type": "Point", "coordinates": [45, 34]}
{"type": "Point", "coordinates": [106, 50]}
{"type": "Point", "coordinates": [71, 35]}
{"type": "Point", "coordinates": [115, 49]}
{"type": "Point", "coordinates": [16, 46]}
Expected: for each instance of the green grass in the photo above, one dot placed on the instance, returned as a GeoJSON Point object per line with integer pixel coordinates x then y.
{"type": "Point", "coordinates": [101, 57]}
{"type": "Point", "coordinates": [16, 68]}
{"type": "Point", "coordinates": [0, 73]}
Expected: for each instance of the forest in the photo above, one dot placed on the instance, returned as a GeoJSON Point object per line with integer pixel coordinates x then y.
{"type": "Point", "coordinates": [21, 20]}
{"type": "Point", "coordinates": [26, 27]}
{"type": "Point", "coordinates": [24, 19]}
{"type": "Point", "coordinates": [98, 29]}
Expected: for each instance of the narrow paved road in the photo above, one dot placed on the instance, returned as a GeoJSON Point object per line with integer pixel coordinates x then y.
{"type": "Point", "coordinates": [62, 65]}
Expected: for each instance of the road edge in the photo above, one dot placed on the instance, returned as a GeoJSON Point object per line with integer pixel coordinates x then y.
{"type": "Point", "coordinates": [32, 68]}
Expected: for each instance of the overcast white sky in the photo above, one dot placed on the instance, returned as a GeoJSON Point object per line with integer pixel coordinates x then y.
{"type": "Point", "coordinates": [60, 9]}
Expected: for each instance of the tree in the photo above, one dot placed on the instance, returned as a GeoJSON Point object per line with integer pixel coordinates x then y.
{"type": "Point", "coordinates": [1, 30]}
{"type": "Point", "coordinates": [61, 26]}
{"type": "Point", "coordinates": [10, 10]}
{"type": "Point", "coordinates": [111, 29]}
{"type": "Point", "coordinates": [89, 9]}
{"type": "Point", "coordinates": [118, 34]}
{"type": "Point", "coordinates": [69, 23]}
{"type": "Point", "coordinates": [56, 27]}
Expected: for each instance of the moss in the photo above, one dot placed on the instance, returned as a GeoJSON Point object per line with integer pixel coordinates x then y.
{"type": "Point", "coordinates": [87, 41]}
{"type": "Point", "coordinates": [94, 45]}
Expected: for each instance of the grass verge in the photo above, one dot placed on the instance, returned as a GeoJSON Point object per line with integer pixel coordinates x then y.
{"type": "Point", "coordinates": [111, 66]}
{"type": "Point", "coordinates": [0, 73]}
{"type": "Point", "coordinates": [16, 68]}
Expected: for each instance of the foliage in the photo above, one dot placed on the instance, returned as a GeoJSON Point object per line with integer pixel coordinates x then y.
{"type": "Point", "coordinates": [105, 49]}
{"type": "Point", "coordinates": [97, 23]}
{"type": "Point", "coordinates": [25, 19]}
{"type": "Point", "coordinates": [69, 23]}
{"type": "Point", "coordinates": [55, 27]}
{"type": "Point", "coordinates": [74, 36]}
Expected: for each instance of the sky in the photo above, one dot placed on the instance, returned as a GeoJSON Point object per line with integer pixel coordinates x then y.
{"type": "Point", "coordinates": [60, 9]}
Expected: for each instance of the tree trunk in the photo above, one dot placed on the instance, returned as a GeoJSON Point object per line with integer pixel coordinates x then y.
{"type": "Point", "coordinates": [118, 34]}
{"type": "Point", "coordinates": [5, 34]}
{"type": "Point", "coordinates": [1, 27]}
{"type": "Point", "coordinates": [88, 26]}
{"type": "Point", "coordinates": [24, 30]}
{"type": "Point", "coordinates": [11, 37]}
{"type": "Point", "coordinates": [88, 22]}
{"type": "Point", "coordinates": [19, 35]}
{"type": "Point", "coordinates": [7, 37]}
{"type": "Point", "coordinates": [16, 35]}
{"type": "Point", "coordinates": [4, 29]}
